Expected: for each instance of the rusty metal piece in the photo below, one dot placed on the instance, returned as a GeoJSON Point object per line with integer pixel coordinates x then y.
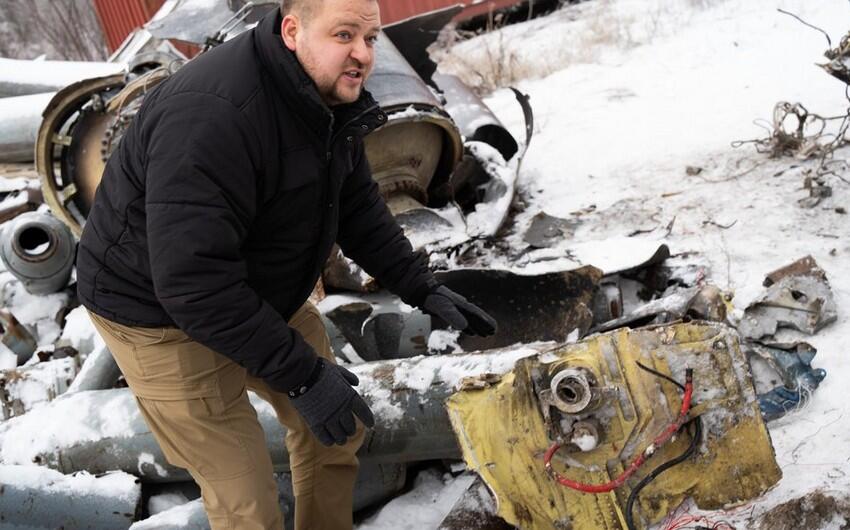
{"type": "Point", "coordinates": [38, 250]}
{"type": "Point", "coordinates": [708, 304]}
{"type": "Point", "coordinates": [806, 266]}
{"type": "Point", "coordinates": [474, 510]}
{"type": "Point", "coordinates": [16, 337]}
{"type": "Point", "coordinates": [528, 308]}
{"type": "Point", "coordinates": [673, 306]}
{"type": "Point", "coordinates": [21, 201]}
{"type": "Point", "coordinates": [342, 273]}
{"type": "Point", "coordinates": [800, 298]}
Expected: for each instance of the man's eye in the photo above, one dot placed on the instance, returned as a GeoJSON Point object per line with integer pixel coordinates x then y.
{"type": "Point", "coordinates": [372, 40]}
{"type": "Point", "coordinates": [344, 35]}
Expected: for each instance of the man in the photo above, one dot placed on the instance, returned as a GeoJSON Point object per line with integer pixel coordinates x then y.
{"type": "Point", "coordinates": [207, 234]}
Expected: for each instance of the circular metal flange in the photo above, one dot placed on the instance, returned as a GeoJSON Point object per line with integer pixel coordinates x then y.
{"type": "Point", "coordinates": [571, 390]}
{"type": "Point", "coordinates": [55, 131]}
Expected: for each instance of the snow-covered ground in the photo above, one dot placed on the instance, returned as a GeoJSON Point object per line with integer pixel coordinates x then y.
{"type": "Point", "coordinates": [629, 93]}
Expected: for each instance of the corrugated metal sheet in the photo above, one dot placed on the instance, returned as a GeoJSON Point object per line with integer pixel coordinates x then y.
{"type": "Point", "coordinates": [395, 10]}
{"type": "Point", "coordinates": [119, 17]}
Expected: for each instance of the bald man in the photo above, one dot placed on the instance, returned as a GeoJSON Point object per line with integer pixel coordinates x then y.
{"type": "Point", "coordinates": [210, 228]}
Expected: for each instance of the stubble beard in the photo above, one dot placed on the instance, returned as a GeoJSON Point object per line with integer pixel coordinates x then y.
{"type": "Point", "coordinates": [327, 85]}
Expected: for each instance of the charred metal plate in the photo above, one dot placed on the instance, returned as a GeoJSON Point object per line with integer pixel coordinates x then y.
{"type": "Point", "coordinates": [528, 308]}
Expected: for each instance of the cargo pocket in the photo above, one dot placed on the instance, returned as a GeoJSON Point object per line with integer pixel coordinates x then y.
{"type": "Point", "coordinates": [203, 436]}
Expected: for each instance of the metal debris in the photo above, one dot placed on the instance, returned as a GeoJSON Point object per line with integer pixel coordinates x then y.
{"type": "Point", "coordinates": [798, 297]}
{"type": "Point", "coordinates": [504, 430]}
{"type": "Point", "coordinates": [377, 327]}
{"type": "Point", "coordinates": [99, 371]}
{"type": "Point", "coordinates": [793, 364]}
{"type": "Point", "coordinates": [39, 251]}
{"type": "Point", "coordinates": [547, 231]}
{"type": "Point", "coordinates": [475, 509]}
{"type": "Point", "coordinates": [36, 498]}
{"type": "Point", "coordinates": [16, 336]}
{"type": "Point", "coordinates": [544, 307]}
{"type": "Point", "coordinates": [21, 389]}
{"type": "Point", "coordinates": [407, 397]}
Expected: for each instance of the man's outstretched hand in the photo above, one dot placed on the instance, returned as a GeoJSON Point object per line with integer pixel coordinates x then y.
{"type": "Point", "coordinates": [458, 312]}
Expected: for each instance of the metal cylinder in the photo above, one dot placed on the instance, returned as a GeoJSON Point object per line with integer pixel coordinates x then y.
{"type": "Point", "coordinates": [19, 126]}
{"type": "Point", "coordinates": [407, 397]}
{"type": "Point", "coordinates": [418, 148]}
{"type": "Point", "coordinates": [20, 78]}
{"type": "Point", "coordinates": [571, 390]}
{"type": "Point", "coordinates": [38, 249]}
{"type": "Point", "coordinates": [474, 118]}
{"type": "Point", "coordinates": [37, 498]}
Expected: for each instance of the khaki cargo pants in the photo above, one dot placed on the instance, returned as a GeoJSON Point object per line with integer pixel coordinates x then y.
{"type": "Point", "coordinates": [195, 402]}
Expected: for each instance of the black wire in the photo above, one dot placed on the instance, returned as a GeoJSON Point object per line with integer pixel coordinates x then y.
{"type": "Point", "coordinates": [662, 376]}
{"type": "Point", "coordinates": [697, 436]}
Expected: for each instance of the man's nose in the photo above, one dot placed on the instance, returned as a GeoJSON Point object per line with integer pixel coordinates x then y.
{"type": "Point", "coordinates": [362, 52]}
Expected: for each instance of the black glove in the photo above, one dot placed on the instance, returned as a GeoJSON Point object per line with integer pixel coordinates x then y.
{"type": "Point", "coordinates": [458, 312]}
{"type": "Point", "coordinates": [328, 403]}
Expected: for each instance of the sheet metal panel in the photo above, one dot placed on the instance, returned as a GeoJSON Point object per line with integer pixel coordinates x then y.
{"type": "Point", "coordinates": [119, 17]}
{"type": "Point", "coordinates": [395, 10]}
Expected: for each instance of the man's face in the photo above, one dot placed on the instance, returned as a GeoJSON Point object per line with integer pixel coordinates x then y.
{"type": "Point", "coordinates": [336, 46]}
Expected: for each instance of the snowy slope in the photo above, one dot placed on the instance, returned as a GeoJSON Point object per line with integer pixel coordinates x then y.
{"type": "Point", "coordinates": [627, 94]}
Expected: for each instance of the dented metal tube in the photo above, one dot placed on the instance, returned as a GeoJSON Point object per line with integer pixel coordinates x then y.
{"type": "Point", "coordinates": [407, 397]}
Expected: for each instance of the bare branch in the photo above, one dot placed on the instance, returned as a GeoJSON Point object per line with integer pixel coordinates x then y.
{"type": "Point", "coordinates": [828, 40]}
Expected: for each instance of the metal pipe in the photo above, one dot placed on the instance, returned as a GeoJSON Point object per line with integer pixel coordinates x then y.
{"type": "Point", "coordinates": [33, 497]}
{"type": "Point", "coordinates": [99, 371]}
{"type": "Point", "coordinates": [82, 431]}
{"type": "Point", "coordinates": [375, 483]}
{"type": "Point", "coordinates": [21, 78]}
{"type": "Point", "coordinates": [38, 250]}
{"type": "Point", "coordinates": [19, 126]}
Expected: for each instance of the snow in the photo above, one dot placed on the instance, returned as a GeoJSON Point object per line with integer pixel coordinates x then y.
{"type": "Point", "coordinates": [626, 95]}
{"type": "Point", "coordinates": [80, 333]}
{"type": "Point", "coordinates": [444, 341]}
{"type": "Point", "coordinates": [616, 125]}
{"type": "Point", "coordinates": [425, 506]}
{"type": "Point", "coordinates": [52, 75]}
{"type": "Point", "coordinates": [107, 411]}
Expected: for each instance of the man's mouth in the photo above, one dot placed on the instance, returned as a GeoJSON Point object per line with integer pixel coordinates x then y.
{"type": "Point", "coordinates": [353, 74]}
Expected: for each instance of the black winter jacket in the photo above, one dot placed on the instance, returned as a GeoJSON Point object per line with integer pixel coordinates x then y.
{"type": "Point", "coordinates": [221, 205]}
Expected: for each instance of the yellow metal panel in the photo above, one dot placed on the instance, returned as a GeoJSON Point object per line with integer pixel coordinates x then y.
{"type": "Point", "coordinates": [503, 435]}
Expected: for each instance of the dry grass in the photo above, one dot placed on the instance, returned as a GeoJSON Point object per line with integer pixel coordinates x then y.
{"type": "Point", "coordinates": [580, 35]}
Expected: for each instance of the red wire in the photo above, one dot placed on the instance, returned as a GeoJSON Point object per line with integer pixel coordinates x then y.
{"type": "Point", "coordinates": [659, 441]}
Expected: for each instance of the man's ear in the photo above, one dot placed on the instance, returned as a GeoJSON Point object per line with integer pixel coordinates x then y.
{"type": "Point", "coordinates": [289, 29]}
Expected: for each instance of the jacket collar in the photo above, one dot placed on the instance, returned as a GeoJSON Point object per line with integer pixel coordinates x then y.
{"type": "Point", "coordinates": [289, 77]}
